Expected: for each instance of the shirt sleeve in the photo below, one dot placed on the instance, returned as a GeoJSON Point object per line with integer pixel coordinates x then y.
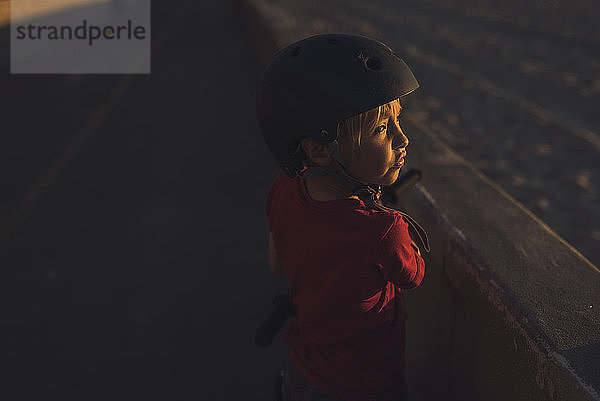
{"type": "Point", "coordinates": [398, 257]}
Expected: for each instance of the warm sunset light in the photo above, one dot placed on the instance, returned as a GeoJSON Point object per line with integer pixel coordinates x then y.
{"type": "Point", "coordinates": [24, 10]}
{"type": "Point", "coordinates": [4, 12]}
{"type": "Point", "coordinates": [284, 200]}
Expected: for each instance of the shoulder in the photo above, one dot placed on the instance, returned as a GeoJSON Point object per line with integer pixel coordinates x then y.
{"type": "Point", "coordinates": [386, 223]}
{"type": "Point", "coordinates": [393, 231]}
{"type": "Point", "coordinates": [282, 180]}
{"type": "Point", "coordinates": [280, 184]}
{"type": "Point", "coordinates": [397, 225]}
{"type": "Point", "coordinates": [383, 231]}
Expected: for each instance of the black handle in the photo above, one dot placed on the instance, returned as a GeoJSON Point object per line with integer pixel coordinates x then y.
{"type": "Point", "coordinates": [410, 178]}
{"type": "Point", "coordinates": [389, 194]}
{"type": "Point", "coordinates": [268, 329]}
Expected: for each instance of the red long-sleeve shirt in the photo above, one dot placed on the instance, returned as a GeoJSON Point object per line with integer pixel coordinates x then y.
{"type": "Point", "coordinates": [345, 265]}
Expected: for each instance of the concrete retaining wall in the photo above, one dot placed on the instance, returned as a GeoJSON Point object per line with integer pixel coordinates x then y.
{"type": "Point", "coordinates": [508, 309]}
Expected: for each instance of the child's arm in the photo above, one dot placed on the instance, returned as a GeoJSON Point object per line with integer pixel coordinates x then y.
{"type": "Point", "coordinates": [274, 261]}
{"type": "Point", "coordinates": [409, 272]}
{"type": "Point", "coordinates": [400, 257]}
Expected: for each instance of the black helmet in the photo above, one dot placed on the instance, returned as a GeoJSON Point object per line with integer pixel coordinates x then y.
{"type": "Point", "coordinates": [313, 84]}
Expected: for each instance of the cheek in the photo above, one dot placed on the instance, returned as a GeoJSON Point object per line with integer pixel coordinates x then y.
{"type": "Point", "coordinates": [381, 155]}
{"type": "Point", "coordinates": [375, 162]}
{"type": "Point", "coordinates": [347, 152]}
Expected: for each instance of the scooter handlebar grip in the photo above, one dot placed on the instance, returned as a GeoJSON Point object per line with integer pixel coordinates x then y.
{"type": "Point", "coordinates": [410, 178]}
{"type": "Point", "coordinates": [268, 330]}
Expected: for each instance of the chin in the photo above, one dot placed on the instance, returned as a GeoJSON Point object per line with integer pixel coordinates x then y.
{"type": "Point", "coordinates": [390, 178]}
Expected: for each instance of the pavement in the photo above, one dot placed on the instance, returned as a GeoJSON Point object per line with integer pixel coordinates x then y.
{"type": "Point", "coordinates": [132, 227]}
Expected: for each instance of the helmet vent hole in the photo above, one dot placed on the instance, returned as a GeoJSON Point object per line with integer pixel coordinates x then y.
{"type": "Point", "coordinates": [373, 63]}
{"type": "Point", "coordinates": [297, 50]}
{"type": "Point", "coordinates": [333, 41]}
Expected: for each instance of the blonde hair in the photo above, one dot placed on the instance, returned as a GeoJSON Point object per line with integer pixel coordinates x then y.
{"type": "Point", "coordinates": [352, 129]}
{"type": "Point", "coordinates": [365, 123]}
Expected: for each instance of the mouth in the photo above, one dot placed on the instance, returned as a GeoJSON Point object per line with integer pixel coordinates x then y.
{"type": "Point", "coordinates": [400, 160]}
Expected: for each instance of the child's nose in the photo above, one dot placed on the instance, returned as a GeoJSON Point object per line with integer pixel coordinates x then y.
{"type": "Point", "coordinates": [400, 140]}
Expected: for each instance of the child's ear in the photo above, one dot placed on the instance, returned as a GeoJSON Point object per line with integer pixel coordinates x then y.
{"type": "Point", "coordinates": [315, 152]}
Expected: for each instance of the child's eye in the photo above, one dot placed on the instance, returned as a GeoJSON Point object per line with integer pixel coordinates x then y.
{"type": "Point", "coordinates": [380, 129]}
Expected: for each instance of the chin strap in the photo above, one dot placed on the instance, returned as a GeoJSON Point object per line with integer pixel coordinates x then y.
{"type": "Point", "coordinates": [369, 194]}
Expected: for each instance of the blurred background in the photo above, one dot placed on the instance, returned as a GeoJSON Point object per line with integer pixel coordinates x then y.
{"type": "Point", "coordinates": [132, 228]}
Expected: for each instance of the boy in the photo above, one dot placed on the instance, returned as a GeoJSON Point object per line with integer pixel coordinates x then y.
{"type": "Point", "coordinates": [328, 107]}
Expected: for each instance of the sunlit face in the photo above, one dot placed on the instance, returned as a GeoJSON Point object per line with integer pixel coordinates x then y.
{"type": "Point", "coordinates": [382, 150]}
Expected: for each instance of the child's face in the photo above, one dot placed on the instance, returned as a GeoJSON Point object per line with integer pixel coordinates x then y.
{"type": "Point", "coordinates": [381, 153]}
